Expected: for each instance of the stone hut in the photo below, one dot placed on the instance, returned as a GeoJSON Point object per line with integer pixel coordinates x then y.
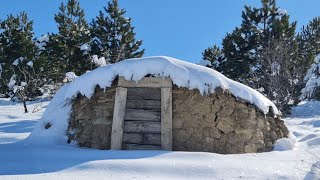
{"type": "Point", "coordinates": [156, 111]}
{"type": "Point", "coordinates": [155, 114]}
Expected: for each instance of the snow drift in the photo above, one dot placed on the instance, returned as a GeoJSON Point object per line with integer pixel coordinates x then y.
{"type": "Point", "coordinates": [183, 74]}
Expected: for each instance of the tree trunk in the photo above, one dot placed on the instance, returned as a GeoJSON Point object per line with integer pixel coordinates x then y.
{"type": "Point", "coordinates": [25, 106]}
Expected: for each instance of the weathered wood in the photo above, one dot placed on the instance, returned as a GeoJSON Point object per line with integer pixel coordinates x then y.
{"type": "Point", "coordinates": [144, 94]}
{"type": "Point", "coordinates": [138, 110]}
{"type": "Point", "coordinates": [146, 82]}
{"type": "Point", "coordinates": [166, 119]}
{"type": "Point", "coordinates": [144, 104]}
{"type": "Point", "coordinates": [142, 115]}
{"type": "Point", "coordinates": [142, 126]}
{"type": "Point", "coordinates": [135, 138]}
{"type": "Point", "coordinates": [140, 138]}
{"type": "Point", "coordinates": [118, 118]}
{"type": "Point", "coordinates": [151, 138]}
{"type": "Point", "coordinates": [140, 147]}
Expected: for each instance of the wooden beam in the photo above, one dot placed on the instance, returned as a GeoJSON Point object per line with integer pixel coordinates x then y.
{"type": "Point", "coordinates": [144, 94]}
{"type": "Point", "coordinates": [140, 147]}
{"type": "Point", "coordinates": [142, 126]}
{"type": "Point", "coordinates": [118, 118]}
{"type": "Point", "coordinates": [144, 104]}
{"type": "Point", "coordinates": [142, 115]}
{"type": "Point", "coordinates": [151, 82]}
{"type": "Point", "coordinates": [135, 138]}
{"type": "Point", "coordinates": [142, 138]}
{"type": "Point", "coordinates": [153, 139]}
{"type": "Point", "coordinates": [166, 119]}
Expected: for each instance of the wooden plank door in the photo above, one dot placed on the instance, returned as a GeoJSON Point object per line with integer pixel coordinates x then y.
{"type": "Point", "coordinates": [143, 115]}
{"type": "Point", "coordinates": [142, 121]}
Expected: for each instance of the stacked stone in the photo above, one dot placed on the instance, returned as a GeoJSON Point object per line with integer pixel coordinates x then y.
{"type": "Point", "coordinates": [221, 123]}
{"type": "Point", "coordinates": [90, 122]}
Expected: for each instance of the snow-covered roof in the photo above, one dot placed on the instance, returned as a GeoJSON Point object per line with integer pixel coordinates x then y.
{"type": "Point", "coordinates": [183, 74]}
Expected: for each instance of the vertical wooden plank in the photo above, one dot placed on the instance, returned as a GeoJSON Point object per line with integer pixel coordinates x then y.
{"type": "Point", "coordinates": [118, 118]}
{"type": "Point", "coordinates": [166, 119]}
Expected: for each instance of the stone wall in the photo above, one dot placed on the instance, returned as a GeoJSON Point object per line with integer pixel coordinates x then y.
{"type": "Point", "coordinates": [90, 122]}
{"type": "Point", "coordinates": [215, 123]}
{"type": "Point", "coordinates": [220, 123]}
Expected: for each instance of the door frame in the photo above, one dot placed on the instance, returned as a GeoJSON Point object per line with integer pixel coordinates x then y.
{"type": "Point", "coordinates": [120, 106]}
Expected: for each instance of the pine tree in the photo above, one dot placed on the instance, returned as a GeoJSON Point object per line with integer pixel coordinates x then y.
{"type": "Point", "coordinates": [309, 41]}
{"type": "Point", "coordinates": [309, 47]}
{"type": "Point", "coordinates": [239, 56]}
{"type": "Point", "coordinates": [22, 75]}
{"type": "Point", "coordinates": [260, 26]}
{"type": "Point", "coordinates": [113, 35]}
{"type": "Point", "coordinates": [2, 63]}
{"type": "Point", "coordinates": [263, 30]}
{"type": "Point", "coordinates": [312, 78]}
{"type": "Point", "coordinates": [14, 30]}
{"type": "Point", "coordinates": [215, 57]}
{"type": "Point", "coordinates": [65, 49]}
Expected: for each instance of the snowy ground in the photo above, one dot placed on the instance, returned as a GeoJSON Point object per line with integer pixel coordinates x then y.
{"type": "Point", "coordinates": [21, 161]}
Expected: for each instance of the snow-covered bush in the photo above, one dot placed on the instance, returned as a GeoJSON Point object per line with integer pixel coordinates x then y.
{"type": "Point", "coordinates": [70, 76]}
{"type": "Point", "coordinates": [27, 79]}
{"type": "Point", "coordinates": [99, 61]}
{"type": "Point", "coordinates": [312, 78]}
{"type": "Point", "coordinates": [42, 42]}
{"type": "Point", "coordinates": [278, 76]}
{"type": "Point", "coordinates": [21, 60]}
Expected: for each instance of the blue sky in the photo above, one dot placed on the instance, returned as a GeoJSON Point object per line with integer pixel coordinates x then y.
{"type": "Point", "coordinates": [177, 28]}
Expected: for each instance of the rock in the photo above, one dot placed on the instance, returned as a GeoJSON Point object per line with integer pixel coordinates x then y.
{"type": "Point", "coordinates": [224, 126]}
{"type": "Point", "coordinates": [257, 136]}
{"type": "Point", "coordinates": [273, 135]}
{"type": "Point", "coordinates": [182, 135]}
{"type": "Point", "coordinates": [226, 110]}
{"type": "Point", "coordinates": [261, 123]}
{"type": "Point", "coordinates": [252, 114]}
{"type": "Point", "coordinates": [244, 133]}
{"type": "Point", "coordinates": [211, 132]}
{"type": "Point", "coordinates": [251, 148]}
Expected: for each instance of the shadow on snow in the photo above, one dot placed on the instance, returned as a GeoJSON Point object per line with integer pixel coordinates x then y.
{"type": "Point", "coordinates": [26, 159]}
{"type": "Point", "coordinates": [23, 126]}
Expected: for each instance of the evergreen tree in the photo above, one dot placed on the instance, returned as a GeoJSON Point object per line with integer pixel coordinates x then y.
{"type": "Point", "coordinates": [263, 30]}
{"type": "Point", "coordinates": [113, 35]}
{"type": "Point", "coordinates": [22, 75]}
{"type": "Point", "coordinates": [309, 39]}
{"type": "Point", "coordinates": [16, 41]}
{"type": "Point", "coordinates": [2, 82]}
{"type": "Point", "coordinates": [309, 47]}
{"type": "Point", "coordinates": [67, 50]}
{"type": "Point", "coordinates": [260, 26]}
{"type": "Point", "coordinates": [215, 57]}
{"type": "Point", "coordinates": [312, 78]}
